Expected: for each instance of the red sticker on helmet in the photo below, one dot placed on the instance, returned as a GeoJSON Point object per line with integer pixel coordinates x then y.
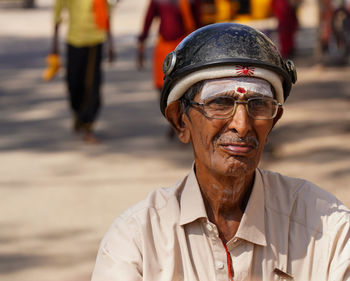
{"type": "Point", "coordinates": [245, 70]}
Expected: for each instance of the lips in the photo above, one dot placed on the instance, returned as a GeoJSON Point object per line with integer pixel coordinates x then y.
{"type": "Point", "coordinates": [237, 148]}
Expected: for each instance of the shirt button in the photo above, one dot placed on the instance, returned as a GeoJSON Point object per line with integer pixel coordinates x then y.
{"type": "Point", "coordinates": [219, 265]}
{"type": "Point", "coordinates": [209, 227]}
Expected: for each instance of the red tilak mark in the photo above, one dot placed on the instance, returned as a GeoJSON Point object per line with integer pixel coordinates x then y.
{"type": "Point", "coordinates": [245, 70]}
{"type": "Point", "coordinates": [241, 90]}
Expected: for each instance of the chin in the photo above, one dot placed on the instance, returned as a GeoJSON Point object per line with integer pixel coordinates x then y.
{"type": "Point", "coordinates": [237, 166]}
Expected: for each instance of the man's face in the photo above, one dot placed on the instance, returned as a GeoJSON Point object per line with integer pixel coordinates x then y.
{"type": "Point", "coordinates": [228, 147]}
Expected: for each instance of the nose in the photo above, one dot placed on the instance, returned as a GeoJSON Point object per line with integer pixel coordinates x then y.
{"type": "Point", "coordinates": [240, 122]}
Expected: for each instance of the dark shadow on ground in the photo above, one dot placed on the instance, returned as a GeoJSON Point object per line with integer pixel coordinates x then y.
{"type": "Point", "coordinates": [17, 262]}
{"type": "Point", "coordinates": [30, 258]}
{"type": "Point", "coordinates": [19, 5]}
{"type": "Point", "coordinates": [134, 116]}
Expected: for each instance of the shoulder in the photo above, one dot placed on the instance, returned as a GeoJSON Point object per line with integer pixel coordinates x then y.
{"type": "Point", "coordinates": [295, 189]}
{"type": "Point", "coordinates": [157, 200]}
{"type": "Point", "coordinates": [140, 220]}
{"type": "Point", "coordinates": [303, 202]}
{"type": "Point", "coordinates": [160, 205]}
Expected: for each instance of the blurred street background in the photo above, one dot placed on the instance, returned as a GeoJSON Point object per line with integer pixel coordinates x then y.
{"type": "Point", "coordinates": [59, 196]}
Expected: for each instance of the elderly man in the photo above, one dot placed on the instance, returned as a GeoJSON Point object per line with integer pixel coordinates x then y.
{"type": "Point", "coordinates": [227, 219]}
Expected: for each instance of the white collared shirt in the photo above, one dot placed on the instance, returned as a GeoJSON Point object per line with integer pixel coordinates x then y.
{"type": "Point", "coordinates": [289, 224]}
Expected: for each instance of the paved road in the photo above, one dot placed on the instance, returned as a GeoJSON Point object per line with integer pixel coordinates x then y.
{"type": "Point", "coordinates": [58, 196]}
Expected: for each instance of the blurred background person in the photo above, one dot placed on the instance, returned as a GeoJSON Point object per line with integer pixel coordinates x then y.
{"type": "Point", "coordinates": [334, 32]}
{"type": "Point", "coordinates": [177, 18]}
{"type": "Point", "coordinates": [326, 12]}
{"type": "Point", "coordinates": [241, 11]}
{"type": "Point", "coordinates": [88, 29]}
{"type": "Point", "coordinates": [286, 13]}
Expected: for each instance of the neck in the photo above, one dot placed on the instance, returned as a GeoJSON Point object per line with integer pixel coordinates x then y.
{"type": "Point", "coordinates": [225, 200]}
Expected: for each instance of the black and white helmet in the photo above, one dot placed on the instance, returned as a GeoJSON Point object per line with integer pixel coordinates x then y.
{"type": "Point", "coordinates": [225, 50]}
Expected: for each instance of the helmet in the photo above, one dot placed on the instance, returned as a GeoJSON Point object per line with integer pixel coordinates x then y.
{"type": "Point", "coordinates": [219, 46]}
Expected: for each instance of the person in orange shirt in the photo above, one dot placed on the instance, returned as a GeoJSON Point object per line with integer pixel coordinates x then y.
{"type": "Point", "coordinates": [286, 13]}
{"type": "Point", "coordinates": [88, 29]}
{"type": "Point", "coordinates": [177, 19]}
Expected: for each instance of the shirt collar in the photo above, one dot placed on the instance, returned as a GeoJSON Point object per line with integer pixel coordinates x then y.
{"type": "Point", "coordinates": [191, 201]}
{"type": "Point", "coordinates": [252, 226]}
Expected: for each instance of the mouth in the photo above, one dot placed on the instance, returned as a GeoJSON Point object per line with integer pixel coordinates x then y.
{"type": "Point", "coordinates": [237, 148]}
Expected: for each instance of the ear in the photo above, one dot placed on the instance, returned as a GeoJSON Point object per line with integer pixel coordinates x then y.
{"type": "Point", "coordinates": [278, 116]}
{"type": "Point", "coordinates": [176, 117]}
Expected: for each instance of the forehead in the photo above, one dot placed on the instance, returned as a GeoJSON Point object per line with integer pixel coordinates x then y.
{"type": "Point", "coordinates": [239, 85]}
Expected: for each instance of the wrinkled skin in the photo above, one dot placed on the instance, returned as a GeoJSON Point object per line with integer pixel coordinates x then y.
{"type": "Point", "coordinates": [226, 154]}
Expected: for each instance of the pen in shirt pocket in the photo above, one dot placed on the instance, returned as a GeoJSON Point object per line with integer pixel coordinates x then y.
{"type": "Point", "coordinates": [283, 275]}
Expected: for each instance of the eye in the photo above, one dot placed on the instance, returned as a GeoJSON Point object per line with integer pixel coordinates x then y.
{"type": "Point", "coordinates": [221, 102]}
{"type": "Point", "coordinates": [261, 105]}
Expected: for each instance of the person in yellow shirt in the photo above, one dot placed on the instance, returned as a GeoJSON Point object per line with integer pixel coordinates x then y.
{"type": "Point", "coordinates": [88, 29]}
